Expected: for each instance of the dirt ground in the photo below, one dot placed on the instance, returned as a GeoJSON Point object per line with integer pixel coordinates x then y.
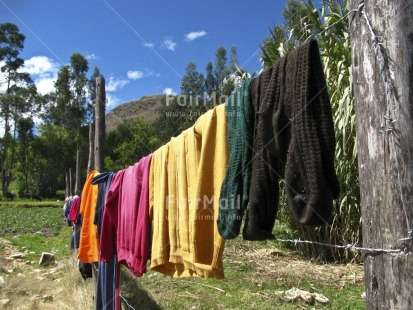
{"type": "Point", "coordinates": [26, 285]}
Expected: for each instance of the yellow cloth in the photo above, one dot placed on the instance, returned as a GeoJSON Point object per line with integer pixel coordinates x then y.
{"type": "Point", "coordinates": [89, 243]}
{"type": "Point", "coordinates": [185, 183]}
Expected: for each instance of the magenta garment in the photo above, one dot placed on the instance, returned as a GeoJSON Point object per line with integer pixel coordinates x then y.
{"type": "Point", "coordinates": [126, 218]}
{"type": "Point", "coordinates": [74, 210]}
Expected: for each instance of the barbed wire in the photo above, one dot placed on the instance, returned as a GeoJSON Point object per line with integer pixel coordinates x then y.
{"type": "Point", "coordinates": [381, 57]}
{"type": "Point", "coordinates": [126, 302]}
{"type": "Point", "coordinates": [351, 247]}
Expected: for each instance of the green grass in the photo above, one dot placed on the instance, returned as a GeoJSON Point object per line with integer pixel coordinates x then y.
{"type": "Point", "coordinates": [37, 243]}
{"type": "Point", "coordinates": [253, 277]}
{"type": "Point", "coordinates": [24, 220]}
{"type": "Point", "coordinates": [30, 204]}
{"type": "Point", "coordinates": [252, 282]}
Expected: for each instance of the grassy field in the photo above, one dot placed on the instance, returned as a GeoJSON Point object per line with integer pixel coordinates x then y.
{"type": "Point", "coordinates": [26, 219]}
{"type": "Point", "coordinates": [257, 273]}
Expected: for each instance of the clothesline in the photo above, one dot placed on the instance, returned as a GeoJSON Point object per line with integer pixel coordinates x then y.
{"type": "Point", "coordinates": [351, 247]}
{"type": "Point", "coordinates": [177, 205]}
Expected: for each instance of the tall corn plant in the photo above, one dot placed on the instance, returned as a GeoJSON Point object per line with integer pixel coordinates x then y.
{"type": "Point", "coordinates": [329, 24]}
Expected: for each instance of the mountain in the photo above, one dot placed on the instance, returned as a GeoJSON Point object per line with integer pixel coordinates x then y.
{"type": "Point", "coordinates": [146, 108]}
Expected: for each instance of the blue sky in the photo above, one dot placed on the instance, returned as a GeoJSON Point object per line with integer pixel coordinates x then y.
{"type": "Point", "coordinates": [141, 47]}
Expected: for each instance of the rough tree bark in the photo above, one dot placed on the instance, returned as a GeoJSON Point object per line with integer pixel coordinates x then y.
{"type": "Point", "coordinates": [382, 50]}
{"type": "Point", "coordinates": [100, 124]}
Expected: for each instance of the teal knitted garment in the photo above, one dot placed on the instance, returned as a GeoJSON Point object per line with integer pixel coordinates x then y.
{"type": "Point", "coordinates": [235, 187]}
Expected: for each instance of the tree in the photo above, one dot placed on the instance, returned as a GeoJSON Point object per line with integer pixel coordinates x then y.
{"type": "Point", "coordinates": [299, 18]}
{"type": "Point", "coordinates": [173, 117]}
{"type": "Point", "coordinates": [210, 82]}
{"type": "Point", "coordinates": [67, 108]}
{"type": "Point", "coordinates": [90, 110]}
{"type": "Point", "coordinates": [58, 111]}
{"type": "Point", "coordinates": [55, 151]}
{"type": "Point", "coordinates": [25, 157]}
{"type": "Point", "coordinates": [192, 83]}
{"type": "Point", "coordinates": [140, 143]}
{"type": "Point", "coordinates": [79, 67]}
{"type": "Point", "coordinates": [221, 68]}
{"type": "Point", "coordinates": [11, 44]}
{"type": "Point", "coordinates": [233, 60]}
{"type": "Point", "coordinates": [293, 13]}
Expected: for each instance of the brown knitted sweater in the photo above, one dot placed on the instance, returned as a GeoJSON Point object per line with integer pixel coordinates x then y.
{"type": "Point", "coordinates": [293, 140]}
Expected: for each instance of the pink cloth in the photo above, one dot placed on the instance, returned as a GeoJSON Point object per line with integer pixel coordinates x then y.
{"type": "Point", "coordinates": [126, 218]}
{"type": "Point", "coordinates": [74, 209]}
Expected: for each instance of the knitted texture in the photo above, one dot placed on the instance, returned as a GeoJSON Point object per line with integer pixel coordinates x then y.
{"type": "Point", "coordinates": [293, 139]}
{"type": "Point", "coordinates": [235, 187]}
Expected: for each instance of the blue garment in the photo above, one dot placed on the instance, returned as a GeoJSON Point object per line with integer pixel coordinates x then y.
{"type": "Point", "coordinates": [103, 181]}
{"type": "Point", "coordinates": [107, 272]}
{"type": "Point", "coordinates": [106, 284]}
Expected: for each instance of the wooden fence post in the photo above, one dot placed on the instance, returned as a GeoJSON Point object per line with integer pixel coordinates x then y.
{"type": "Point", "coordinates": [381, 34]}
{"type": "Point", "coordinates": [100, 124]}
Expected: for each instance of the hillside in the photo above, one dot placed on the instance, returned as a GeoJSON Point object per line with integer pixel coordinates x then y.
{"type": "Point", "coordinates": [146, 108]}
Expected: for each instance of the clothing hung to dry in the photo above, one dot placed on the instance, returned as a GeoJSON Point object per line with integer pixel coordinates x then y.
{"type": "Point", "coordinates": [293, 140]}
{"type": "Point", "coordinates": [177, 206]}
{"type": "Point", "coordinates": [186, 176]}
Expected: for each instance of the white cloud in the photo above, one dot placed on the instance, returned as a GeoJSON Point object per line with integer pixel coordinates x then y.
{"type": "Point", "coordinates": [113, 84]}
{"type": "Point", "coordinates": [169, 91]}
{"type": "Point", "coordinates": [169, 44]}
{"type": "Point", "coordinates": [38, 65]}
{"type": "Point", "coordinates": [43, 71]}
{"type": "Point", "coordinates": [112, 102]}
{"type": "Point", "coordinates": [195, 35]}
{"type": "Point", "coordinates": [148, 44]}
{"type": "Point", "coordinates": [138, 74]}
{"type": "Point", "coordinates": [91, 56]}
{"type": "Point", "coordinates": [135, 75]}
{"type": "Point", "coordinates": [45, 85]}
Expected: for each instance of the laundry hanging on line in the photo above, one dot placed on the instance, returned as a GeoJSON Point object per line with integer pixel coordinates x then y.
{"type": "Point", "coordinates": [294, 140]}
{"type": "Point", "coordinates": [199, 185]}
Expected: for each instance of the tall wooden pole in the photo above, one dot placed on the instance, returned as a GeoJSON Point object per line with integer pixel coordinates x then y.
{"type": "Point", "coordinates": [67, 185]}
{"type": "Point", "coordinates": [382, 50]}
{"type": "Point", "coordinates": [100, 124]}
{"type": "Point", "coordinates": [77, 179]}
{"type": "Point", "coordinates": [91, 160]}
{"type": "Point", "coordinates": [70, 182]}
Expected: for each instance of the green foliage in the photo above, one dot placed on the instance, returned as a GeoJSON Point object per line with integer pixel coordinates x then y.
{"type": "Point", "coordinates": [192, 83]}
{"type": "Point", "coordinates": [20, 220]}
{"type": "Point", "coordinates": [210, 82]}
{"type": "Point", "coordinates": [67, 105]}
{"type": "Point", "coordinates": [329, 25]}
{"type": "Point", "coordinates": [13, 101]}
{"type": "Point", "coordinates": [58, 149]}
{"type": "Point", "coordinates": [233, 60]}
{"type": "Point", "coordinates": [293, 13]}
{"type": "Point", "coordinates": [79, 68]}
{"type": "Point", "coordinates": [177, 114]}
{"type": "Point", "coordinates": [90, 110]}
{"type": "Point", "coordinates": [139, 142]}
